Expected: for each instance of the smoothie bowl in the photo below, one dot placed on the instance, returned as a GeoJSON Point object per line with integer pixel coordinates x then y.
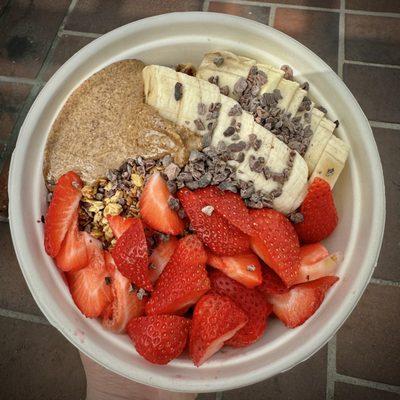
{"type": "Point", "coordinates": [187, 181]}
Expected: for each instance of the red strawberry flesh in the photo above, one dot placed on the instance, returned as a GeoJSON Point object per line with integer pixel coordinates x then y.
{"type": "Point", "coordinates": [319, 212]}
{"type": "Point", "coordinates": [159, 338]}
{"type": "Point", "coordinates": [125, 304]}
{"type": "Point", "coordinates": [215, 320]}
{"type": "Point", "coordinates": [88, 286]}
{"type": "Point", "coordinates": [130, 256]}
{"type": "Point", "coordinates": [250, 301]}
{"type": "Point", "coordinates": [276, 243]}
{"type": "Point", "coordinates": [160, 256]}
{"type": "Point", "coordinates": [73, 253]}
{"type": "Point", "coordinates": [301, 301]}
{"type": "Point", "coordinates": [215, 231]}
{"type": "Point", "coordinates": [155, 209]}
{"type": "Point", "coordinates": [183, 281]}
{"type": "Point", "coordinates": [61, 211]}
{"type": "Point", "coordinates": [119, 224]}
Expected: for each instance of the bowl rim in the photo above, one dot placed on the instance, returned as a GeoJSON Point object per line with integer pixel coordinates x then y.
{"type": "Point", "coordinates": [377, 219]}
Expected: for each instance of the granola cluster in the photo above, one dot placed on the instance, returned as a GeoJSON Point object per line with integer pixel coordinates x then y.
{"type": "Point", "coordinates": [117, 193]}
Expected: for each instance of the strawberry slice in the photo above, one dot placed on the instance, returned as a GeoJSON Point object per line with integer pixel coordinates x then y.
{"type": "Point", "coordinates": [119, 224]}
{"type": "Point", "coordinates": [159, 338]}
{"type": "Point", "coordinates": [88, 286]}
{"type": "Point", "coordinates": [213, 229]}
{"type": "Point", "coordinates": [73, 254]}
{"type": "Point", "coordinates": [271, 283]}
{"type": "Point", "coordinates": [125, 304]}
{"type": "Point", "coordinates": [61, 211]}
{"type": "Point", "coordinates": [160, 256]}
{"type": "Point", "coordinates": [230, 205]}
{"type": "Point", "coordinates": [183, 281]}
{"type": "Point", "coordinates": [215, 320]}
{"type": "Point", "coordinates": [300, 302]}
{"type": "Point", "coordinates": [250, 301]}
{"type": "Point", "coordinates": [155, 210]}
{"type": "Point", "coordinates": [319, 212]}
{"type": "Point", "coordinates": [130, 255]}
{"type": "Point", "coordinates": [276, 243]}
{"type": "Point", "coordinates": [243, 268]}
{"type": "Point", "coordinates": [316, 262]}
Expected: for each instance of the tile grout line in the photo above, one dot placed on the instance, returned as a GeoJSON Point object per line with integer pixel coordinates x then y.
{"type": "Point", "coordinates": [373, 13]}
{"type": "Point", "coordinates": [49, 56]}
{"type": "Point", "coordinates": [384, 282]}
{"type": "Point", "coordinates": [369, 64]}
{"type": "Point", "coordinates": [78, 33]}
{"type": "Point", "coordinates": [331, 369]}
{"type": "Point", "coordinates": [206, 4]}
{"type": "Point", "coordinates": [24, 317]}
{"type": "Point", "coordinates": [16, 79]}
{"type": "Point", "coordinates": [219, 396]}
{"type": "Point", "coordinates": [366, 383]}
{"type": "Point", "coordinates": [271, 19]}
{"type": "Point", "coordinates": [386, 125]}
{"type": "Point", "coordinates": [266, 4]}
{"type": "Point", "coordinates": [341, 49]}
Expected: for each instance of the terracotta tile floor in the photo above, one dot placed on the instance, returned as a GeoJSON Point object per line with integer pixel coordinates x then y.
{"type": "Point", "coordinates": [358, 38]}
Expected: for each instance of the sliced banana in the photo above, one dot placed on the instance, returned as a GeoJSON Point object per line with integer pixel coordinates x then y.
{"type": "Point", "coordinates": [332, 161]}
{"type": "Point", "coordinates": [296, 101]}
{"type": "Point", "coordinates": [318, 142]}
{"type": "Point", "coordinates": [287, 89]}
{"type": "Point", "coordinates": [275, 153]}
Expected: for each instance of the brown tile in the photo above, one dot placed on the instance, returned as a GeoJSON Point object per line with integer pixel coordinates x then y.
{"type": "Point", "coordinates": [66, 48]}
{"type": "Point", "coordinates": [367, 344]}
{"type": "Point", "coordinates": [27, 30]}
{"type": "Point", "coordinates": [37, 362]}
{"type": "Point", "coordinates": [374, 5]}
{"type": "Point", "coordinates": [308, 3]}
{"type": "Point", "coordinates": [101, 16]}
{"type": "Point", "coordinates": [372, 39]}
{"type": "Point", "coordinates": [259, 14]}
{"type": "Point", "coordinates": [317, 30]}
{"type": "Point", "coordinates": [343, 391]}
{"type": "Point", "coordinates": [12, 98]}
{"type": "Point", "coordinates": [305, 381]}
{"type": "Point", "coordinates": [376, 89]}
{"type": "Point", "coordinates": [4, 188]}
{"type": "Point", "coordinates": [14, 293]}
{"type": "Point", "coordinates": [388, 142]}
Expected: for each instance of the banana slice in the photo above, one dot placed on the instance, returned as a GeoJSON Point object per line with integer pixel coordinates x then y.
{"type": "Point", "coordinates": [318, 143]}
{"type": "Point", "coordinates": [275, 153]}
{"type": "Point", "coordinates": [332, 161]}
{"type": "Point", "coordinates": [296, 101]}
{"type": "Point", "coordinates": [287, 89]}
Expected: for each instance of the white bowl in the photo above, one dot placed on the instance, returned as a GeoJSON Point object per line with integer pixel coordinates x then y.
{"type": "Point", "coordinates": [359, 194]}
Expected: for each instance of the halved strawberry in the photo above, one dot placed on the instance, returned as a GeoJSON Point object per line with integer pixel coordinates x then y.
{"type": "Point", "coordinates": [213, 229]}
{"type": "Point", "coordinates": [73, 254]}
{"type": "Point", "coordinates": [160, 256]}
{"type": "Point", "coordinates": [315, 262]}
{"type": "Point", "coordinates": [61, 211]}
{"type": "Point", "coordinates": [130, 255]}
{"type": "Point", "coordinates": [155, 210]}
{"type": "Point", "coordinates": [119, 224]}
{"type": "Point", "coordinates": [243, 268]}
{"type": "Point", "coordinates": [159, 338]}
{"type": "Point", "coordinates": [183, 281]}
{"type": "Point", "coordinates": [271, 283]}
{"type": "Point", "coordinates": [88, 286]}
{"type": "Point", "coordinates": [276, 243]}
{"type": "Point", "coordinates": [250, 301]}
{"type": "Point", "coordinates": [125, 304]}
{"type": "Point", "coordinates": [301, 301]}
{"type": "Point", "coordinates": [319, 211]}
{"type": "Point", "coordinates": [230, 205]}
{"type": "Point", "coordinates": [215, 320]}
